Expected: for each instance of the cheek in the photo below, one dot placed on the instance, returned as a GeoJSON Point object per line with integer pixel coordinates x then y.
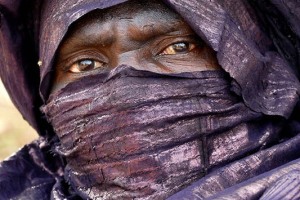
{"type": "Point", "coordinates": [197, 60]}
{"type": "Point", "coordinates": [61, 79]}
{"type": "Point", "coordinates": [210, 57]}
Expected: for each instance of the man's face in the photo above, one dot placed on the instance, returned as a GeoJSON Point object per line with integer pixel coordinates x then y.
{"type": "Point", "coordinates": [151, 38]}
{"type": "Point", "coordinates": [129, 132]}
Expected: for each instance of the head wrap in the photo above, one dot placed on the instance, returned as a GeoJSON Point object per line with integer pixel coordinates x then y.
{"type": "Point", "coordinates": [135, 134]}
{"type": "Point", "coordinates": [243, 53]}
{"type": "Point", "coordinates": [230, 27]}
{"type": "Point", "coordinates": [261, 63]}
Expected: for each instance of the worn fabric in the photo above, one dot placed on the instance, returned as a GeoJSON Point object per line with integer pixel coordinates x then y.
{"type": "Point", "coordinates": [248, 64]}
{"type": "Point", "coordinates": [30, 174]}
{"type": "Point", "coordinates": [250, 177]}
{"type": "Point", "coordinates": [129, 134]}
{"type": "Point", "coordinates": [239, 141]}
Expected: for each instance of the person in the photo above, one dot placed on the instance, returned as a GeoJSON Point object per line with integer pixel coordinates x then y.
{"type": "Point", "coordinates": [153, 100]}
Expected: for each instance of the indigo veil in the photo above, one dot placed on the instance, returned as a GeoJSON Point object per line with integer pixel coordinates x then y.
{"type": "Point", "coordinates": [258, 47]}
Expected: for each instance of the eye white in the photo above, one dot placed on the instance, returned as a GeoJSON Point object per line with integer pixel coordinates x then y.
{"type": "Point", "coordinates": [178, 48]}
{"type": "Point", "coordinates": [85, 65]}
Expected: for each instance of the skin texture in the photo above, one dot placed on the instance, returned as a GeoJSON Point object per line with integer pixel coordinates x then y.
{"type": "Point", "coordinates": [151, 38]}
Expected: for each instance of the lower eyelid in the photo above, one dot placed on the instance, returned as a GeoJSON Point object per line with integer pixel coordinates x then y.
{"type": "Point", "coordinates": [97, 65]}
{"type": "Point", "coordinates": [157, 49]}
{"type": "Point", "coordinates": [191, 47]}
{"type": "Point", "coordinates": [89, 54]}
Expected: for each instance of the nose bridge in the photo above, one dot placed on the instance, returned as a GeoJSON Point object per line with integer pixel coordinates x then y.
{"type": "Point", "coordinates": [128, 58]}
{"type": "Point", "coordinates": [124, 52]}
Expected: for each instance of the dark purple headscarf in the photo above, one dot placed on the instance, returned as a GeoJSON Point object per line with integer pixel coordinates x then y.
{"type": "Point", "coordinates": [257, 44]}
{"type": "Point", "coordinates": [32, 31]}
{"type": "Point", "coordinates": [243, 50]}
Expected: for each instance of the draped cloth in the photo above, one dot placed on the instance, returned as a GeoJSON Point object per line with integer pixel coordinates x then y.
{"type": "Point", "coordinates": [136, 134]}
{"type": "Point", "coordinates": [257, 46]}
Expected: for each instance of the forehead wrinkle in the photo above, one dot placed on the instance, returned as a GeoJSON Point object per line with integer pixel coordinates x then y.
{"type": "Point", "coordinates": [151, 30]}
{"type": "Point", "coordinates": [87, 37]}
{"type": "Point", "coordinates": [105, 38]}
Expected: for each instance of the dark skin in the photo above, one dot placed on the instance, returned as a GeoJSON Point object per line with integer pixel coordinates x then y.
{"type": "Point", "coordinates": [151, 38]}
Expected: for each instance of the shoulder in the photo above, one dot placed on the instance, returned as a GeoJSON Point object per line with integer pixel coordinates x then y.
{"type": "Point", "coordinates": [29, 173]}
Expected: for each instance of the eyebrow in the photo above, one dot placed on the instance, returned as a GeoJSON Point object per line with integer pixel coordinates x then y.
{"type": "Point", "coordinates": [104, 38]}
{"type": "Point", "coordinates": [152, 30]}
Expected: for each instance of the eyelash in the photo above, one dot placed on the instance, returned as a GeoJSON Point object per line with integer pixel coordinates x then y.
{"type": "Point", "coordinates": [158, 52]}
{"type": "Point", "coordinates": [73, 59]}
{"type": "Point", "coordinates": [169, 51]}
{"type": "Point", "coordinates": [189, 39]}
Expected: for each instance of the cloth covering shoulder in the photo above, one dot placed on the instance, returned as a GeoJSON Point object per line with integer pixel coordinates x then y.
{"type": "Point", "coordinates": [257, 44]}
{"type": "Point", "coordinates": [30, 175]}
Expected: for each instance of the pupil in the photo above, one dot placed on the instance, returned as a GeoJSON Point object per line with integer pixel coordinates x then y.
{"type": "Point", "coordinates": [180, 47]}
{"type": "Point", "coordinates": [86, 65]}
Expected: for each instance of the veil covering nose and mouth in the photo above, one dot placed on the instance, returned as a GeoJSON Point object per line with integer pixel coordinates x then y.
{"type": "Point", "coordinates": [220, 134]}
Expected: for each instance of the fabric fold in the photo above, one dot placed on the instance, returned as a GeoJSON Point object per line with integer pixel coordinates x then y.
{"type": "Point", "coordinates": [129, 133]}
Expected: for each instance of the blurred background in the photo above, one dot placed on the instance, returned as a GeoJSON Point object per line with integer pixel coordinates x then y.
{"type": "Point", "coordinates": [15, 132]}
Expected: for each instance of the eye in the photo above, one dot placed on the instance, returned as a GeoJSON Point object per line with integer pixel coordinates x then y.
{"type": "Point", "coordinates": [178, 48]}
{"type": "Point", "coordinates": [85, 65]}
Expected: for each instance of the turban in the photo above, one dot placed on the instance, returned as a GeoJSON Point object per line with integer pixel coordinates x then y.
{"type": "Point", "coordinates": [257, 46]}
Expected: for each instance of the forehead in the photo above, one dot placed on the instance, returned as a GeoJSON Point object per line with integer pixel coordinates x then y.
{"type": "Point", "coordinates": [136, 20]}
{"type": "Point", "coordinates": [136, 12]}
{"type": "Point", "coordinates": [61, 16]}
{"type": "Point", "coordinates": [137, 8]}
